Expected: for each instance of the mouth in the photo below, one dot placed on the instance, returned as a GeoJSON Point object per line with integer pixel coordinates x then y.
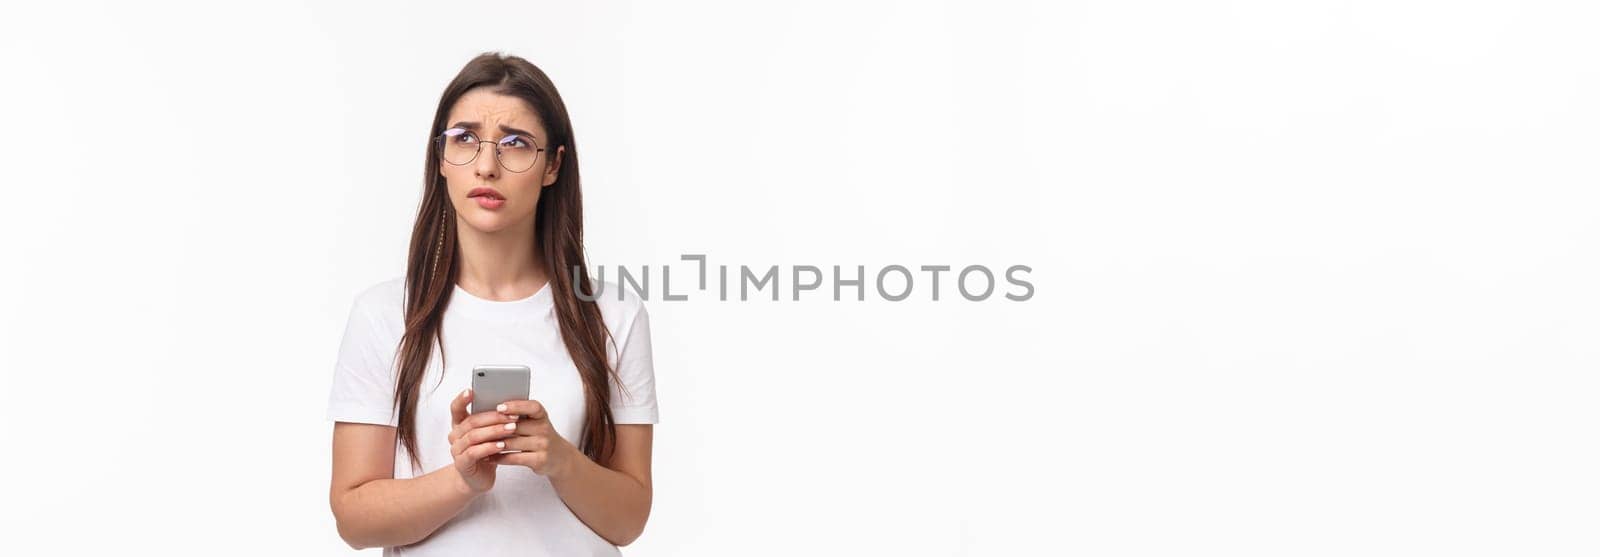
{"type": "Point", "coordinates": [489, 193]}
{"type": "Point", "coordinates": [487, 198]}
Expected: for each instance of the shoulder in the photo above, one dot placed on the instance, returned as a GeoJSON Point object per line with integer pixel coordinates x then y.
{"type": "Point", "coordinates": [383, 301]}
{"type": "Point", "coordinates": [620, 307]}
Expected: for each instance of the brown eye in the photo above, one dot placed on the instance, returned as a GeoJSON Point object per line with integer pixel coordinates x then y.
{"type": "Point", "coordinates": [458, 135]}
{"type": "Point", "coordinates": [515, 142]}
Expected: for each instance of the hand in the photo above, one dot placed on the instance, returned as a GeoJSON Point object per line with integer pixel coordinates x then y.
{"type": "Point", "coordinates": [543, 450]}
{"type": "Point", "coordinates": [475, 440]}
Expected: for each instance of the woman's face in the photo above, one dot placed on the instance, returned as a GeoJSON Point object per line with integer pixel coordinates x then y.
{"type": "Point", "coordinates": [486, 195]}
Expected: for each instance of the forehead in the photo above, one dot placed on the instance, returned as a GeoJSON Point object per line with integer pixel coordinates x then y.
{"type": "Point", "coordinates": [490, 110]}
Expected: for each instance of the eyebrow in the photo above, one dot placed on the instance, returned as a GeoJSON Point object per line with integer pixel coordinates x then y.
{"type": "Point", "coordinates": [508, 129]}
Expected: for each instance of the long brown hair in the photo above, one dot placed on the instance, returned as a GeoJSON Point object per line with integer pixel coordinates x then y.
{"type": "Point", "coordinates": [432, 267]}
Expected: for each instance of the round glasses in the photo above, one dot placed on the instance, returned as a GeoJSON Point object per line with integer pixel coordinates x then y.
{"type": "Point", "coordinates": [516, 153]}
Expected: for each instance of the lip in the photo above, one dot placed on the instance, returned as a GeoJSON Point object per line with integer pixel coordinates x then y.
{"type": "Point", "coordinates": [485, 192]}
{"type": "Point", "coordinates": [487, 198]}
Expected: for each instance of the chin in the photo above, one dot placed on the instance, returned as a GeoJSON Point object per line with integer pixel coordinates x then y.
{"type": "Point", "coordinates": [488, 223]}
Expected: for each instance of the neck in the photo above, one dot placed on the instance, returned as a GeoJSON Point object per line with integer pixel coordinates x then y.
{"type": "Point", "coordinates": [501, 265]}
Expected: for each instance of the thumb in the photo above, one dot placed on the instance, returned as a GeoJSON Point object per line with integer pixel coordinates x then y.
{"type": "Point", "coordinates": [458, 407]}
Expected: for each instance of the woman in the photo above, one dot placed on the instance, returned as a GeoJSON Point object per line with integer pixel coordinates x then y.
{"type": "Point", "coordinates": [494, 276]}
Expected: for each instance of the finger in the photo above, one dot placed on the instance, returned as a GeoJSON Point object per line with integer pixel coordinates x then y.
{"type": "Point", "coordinates": [485, 434]}
{"type": "Point", "coordinates": [525, 443]}
{"type": "Point", "coordinates": [479, 436]}
{"type": "Point", "coordinates": [458, 407]}
{"type": "Point", "coordinates": [530, 409]}
{"type": "Point", "coordinates": [531, 460]}
{"type": "Point", "coordinates": [478, 420]}
{"type": "Point", "coordinates": [536, 428]}
{"type": "Point", "coordinates": [483, 450]}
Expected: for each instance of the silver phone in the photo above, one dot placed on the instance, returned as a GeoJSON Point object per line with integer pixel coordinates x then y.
{"type": "Point", "coordinates": [494, 384]}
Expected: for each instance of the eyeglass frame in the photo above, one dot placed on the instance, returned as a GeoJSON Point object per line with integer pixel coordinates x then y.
{"type": "Point", "coordinates": [439, 143]}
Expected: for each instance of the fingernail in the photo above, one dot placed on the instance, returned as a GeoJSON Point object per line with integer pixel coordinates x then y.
{"type": "Point", "coordinates": [515, 417]}
{"type": "Point", "coordinates": [500, 445]}
{"type": "Point", "coordinates": [464, 394]}
{"type": "Point", "coordinates": [510, 427]}
{"type": "Point", "coordinates": [501, 408]}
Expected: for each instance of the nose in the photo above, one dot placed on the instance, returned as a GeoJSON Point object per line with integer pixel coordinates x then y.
{"type": "Point", "coordinates": [487, 165]}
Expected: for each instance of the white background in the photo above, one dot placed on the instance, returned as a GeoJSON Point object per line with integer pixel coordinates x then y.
{"type": "Point", "coordinates": [1312, 278]}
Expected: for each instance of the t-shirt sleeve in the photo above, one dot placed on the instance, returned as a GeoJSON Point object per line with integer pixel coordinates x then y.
{"type": "Point", "coordinates": [363, 383]}
{"type": "Point", "coordinates": [635, 402]}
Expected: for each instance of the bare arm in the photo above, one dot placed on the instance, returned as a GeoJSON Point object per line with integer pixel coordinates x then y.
{"type": "Point", "coordinates": [614, 502]}
{"type": "Point", "coordinates": [373, 509]}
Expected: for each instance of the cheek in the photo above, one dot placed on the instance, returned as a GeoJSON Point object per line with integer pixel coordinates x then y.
{"type": "Point", "coordinates": [455, 178]}
{"type": "Point", "coordinates": [526, 187]}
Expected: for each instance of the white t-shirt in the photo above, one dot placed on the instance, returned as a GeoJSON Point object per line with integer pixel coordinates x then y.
{"type": "Point", "coordinates": [522, 514]}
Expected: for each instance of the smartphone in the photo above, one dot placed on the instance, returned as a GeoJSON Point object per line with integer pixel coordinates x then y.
{"type": "Point", "coordinates": [494, 384]}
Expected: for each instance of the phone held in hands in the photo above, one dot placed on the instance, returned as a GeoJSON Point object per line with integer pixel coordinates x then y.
{"type": "Point", "coordinates": [495, 384]}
